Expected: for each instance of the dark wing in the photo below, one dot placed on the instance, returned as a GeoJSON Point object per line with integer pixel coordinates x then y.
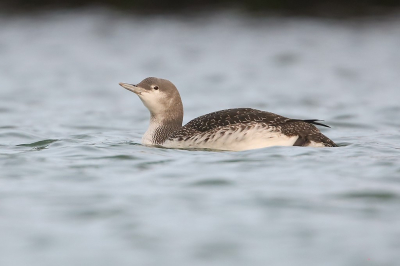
{"type": "Point", "coordinates": [234, 116]}
{"type": "Point", "coordinates": [305, 129]}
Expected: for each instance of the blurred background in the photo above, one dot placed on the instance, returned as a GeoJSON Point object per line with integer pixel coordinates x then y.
{"type": "Point", "coordinates": [315, 7]}
{"type": "Point", "coordinates": [78, 188]}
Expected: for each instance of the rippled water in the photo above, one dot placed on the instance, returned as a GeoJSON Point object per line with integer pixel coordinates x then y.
{"type": "Point", "coordinates": [77, 188]}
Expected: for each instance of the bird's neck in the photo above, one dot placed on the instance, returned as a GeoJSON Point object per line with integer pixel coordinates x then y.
{"type": "Point", "coordinates": [161, 127]}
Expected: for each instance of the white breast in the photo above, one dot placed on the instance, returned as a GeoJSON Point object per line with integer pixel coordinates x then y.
{"type": "Point", "coordinates": [227, 138]}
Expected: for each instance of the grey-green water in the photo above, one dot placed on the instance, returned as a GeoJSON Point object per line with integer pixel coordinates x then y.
{"type": "Point", "coordinates": [77, 188]}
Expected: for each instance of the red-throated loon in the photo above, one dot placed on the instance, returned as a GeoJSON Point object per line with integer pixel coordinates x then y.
{"type": "Point", "coordinates": [232, 129]}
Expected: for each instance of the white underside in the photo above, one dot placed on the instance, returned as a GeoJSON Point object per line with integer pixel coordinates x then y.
{"type": "Point", "coordinates": [255, 138]}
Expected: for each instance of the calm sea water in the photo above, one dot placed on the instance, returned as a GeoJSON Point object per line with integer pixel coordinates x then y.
{"type": "Point", "coordinates": [78, 188]}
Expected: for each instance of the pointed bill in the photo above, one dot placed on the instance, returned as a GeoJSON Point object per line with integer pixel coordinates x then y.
{"type": "Point", "coordinates": [132, 88]}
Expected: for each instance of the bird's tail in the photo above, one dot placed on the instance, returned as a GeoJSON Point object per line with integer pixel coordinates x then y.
{"type": "Point", "coordinates": [315, 122]}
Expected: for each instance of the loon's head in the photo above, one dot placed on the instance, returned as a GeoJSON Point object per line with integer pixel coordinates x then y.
{"type": "Point", "coordinates": [160, 96]}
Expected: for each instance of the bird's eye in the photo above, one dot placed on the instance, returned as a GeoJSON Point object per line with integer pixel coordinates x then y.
{"type": "Point", "coordinates": [155, 87]}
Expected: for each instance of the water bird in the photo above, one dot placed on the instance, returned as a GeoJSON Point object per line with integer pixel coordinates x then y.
{"type": "Point", "coordinates": [231, 129]}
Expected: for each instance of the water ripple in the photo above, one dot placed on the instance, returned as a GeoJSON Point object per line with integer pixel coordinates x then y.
{"type": "Point", "coordinates": [39, 144]}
